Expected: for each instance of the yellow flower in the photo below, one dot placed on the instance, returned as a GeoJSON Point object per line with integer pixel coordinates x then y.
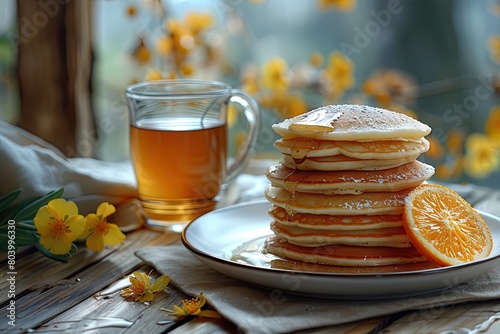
{"type": "Point", "coordinates": [454, 142]}
{"type": "Point", "coordinates": [340, 5]}
{"type": "Point", "coordinates": [131, 10]}
{"type": "Point", "coordinates": [141, 290]}
{"type": "Point", "coordinates": [192, 307]}
{"type": "Point", "coordinates": [232, 115]}
{"type": "Point", "coordinates": [494, 45]}
{"type": "Point", "coordinates": [164, 45]}
{"type": "Point", "coordinates": [141, 53]}
{"type": "Point", "coordinates": [187, 69]}
{"type": "Point", "coordinates": [402, 110]}
{"type": "Point", "coordinates": [492, 126]}
{"type": "Point", "coordinates": [386, 86]}
{"type": "Point", "coordinates": [451, 169]}
{"type": "Point", "coordinates": [249, 78]}
{"type": "Point", "coordinates": [274, 75]}
{"type": "Point", "coordinates": [250, 87]}
{"type": "Point", "coordinates": [99, 232]}
{"type": "Point", "coordinates": [182, 38]}
{"type": "Point", "coordinates": [338, 76]}
{"type": "Point", "coordinates": [436, 150]}
{"type": "Point", "coordinates": [59, 224]}
{"type": "Point", "coordinates": [289, 105]}
{"type": "Point", "coordinates": [316, 59]}
{"type": "Point", "coordinates": [198, 21]}
{"type": "Point", "coordinates": [153, 74]}
{"type": "Point", "coordinates": [296, 105]}
{"type": "Point", "coordinates": [482, 156]}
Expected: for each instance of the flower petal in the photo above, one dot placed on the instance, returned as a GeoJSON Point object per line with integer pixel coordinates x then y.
{"type": "Point", "coordinates": [59, 246]}
{"type": "Point", "coordinates": [114, 236]}
{"type": "Point", "coordinates": [209, 314]}
{"type": "Point", "coordinates": [76, 226]}
{"type": "Point", "coordinates": [105, 209]}
{"type": "Point", "coordinates": [91, 221]}
{"type": "Point", "coordinates": [46, 241]}
{"type": "Point", "coordinates": [201, 299]}
{"type": "Point", "coordinates": [63, 208]}
{"type": "Point", "coordinates": [179, 311]}
{"type": "Point", "coordinates": [94, 242]}
{"type": "Point", "coordinates": [141, 278]}
{"type": "Point", "coordinates": [126, 293]}
{"type": "Point", "coordinates": [41, 220]}
{"type": "Point", "coordinates": [160, 284]}
{"type": "Point", "coordinates": [146, 297]}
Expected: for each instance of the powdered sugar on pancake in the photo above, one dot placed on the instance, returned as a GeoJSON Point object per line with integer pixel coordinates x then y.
{"type": "Point", "coordinates": [367, 203]}
{"type": "Point", "coordinates": [354, 182]}
{"type": "Point", "coordinates": [352, 122]}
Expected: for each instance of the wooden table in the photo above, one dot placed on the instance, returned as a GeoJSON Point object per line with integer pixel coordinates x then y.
{"type": "Point", "coordinates": [77, 297]}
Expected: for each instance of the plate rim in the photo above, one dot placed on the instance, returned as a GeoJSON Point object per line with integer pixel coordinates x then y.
{"type": "Point", "coordinates": [432, 271]}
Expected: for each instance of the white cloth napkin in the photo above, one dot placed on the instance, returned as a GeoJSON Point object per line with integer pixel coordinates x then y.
{"type": "Point", "coordinates": [37, 167]}
{"type": "Point", "coordinates": [257, 310]}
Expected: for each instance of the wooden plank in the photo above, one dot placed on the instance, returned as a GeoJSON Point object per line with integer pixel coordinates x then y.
{"type": "Point", "coordinates": [54, 69]}
{"type": "Point", "coordinates": [70, 291]}
{"type": "Point", "coordinates": [150, 319]}
{"type": "Point", "coordinates": [36, 270]}
{"type": "Point", "coordinates": [145, 317]}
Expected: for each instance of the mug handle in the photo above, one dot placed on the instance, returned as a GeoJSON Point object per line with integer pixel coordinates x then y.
{"type": "Point", "coordinates": [245, 153]}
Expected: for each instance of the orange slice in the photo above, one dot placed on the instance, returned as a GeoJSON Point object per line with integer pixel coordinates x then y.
{"type": "Point", "coordinates": [444, 227]}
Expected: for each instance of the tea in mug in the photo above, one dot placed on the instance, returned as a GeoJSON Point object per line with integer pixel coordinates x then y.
{"type": "Point", "coordinates": [179, 165]}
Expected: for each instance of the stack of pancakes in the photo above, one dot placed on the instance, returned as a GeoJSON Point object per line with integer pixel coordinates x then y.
{"type": "Point", "coordinates": [337, 196]}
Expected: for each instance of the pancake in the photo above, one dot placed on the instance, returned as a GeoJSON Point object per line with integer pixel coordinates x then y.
{"type": "Point", "coordinates": [343, 255]}
{"type": "Point", "coordinates": [389, 237]}
{"type": "Point", "coordinates": [342, 162]}
{"type": "Point", "coordinates": [350, 182]}
{"type": "Point", "coordinates": [300, 148]}
{"type": "Point", "coordinates": [390, 203]}
{"type": "Point", "coordinates": [329, 222]}
{"type": "Point", "coordinates": [324, 268]}
{"type": "Point", "coordinates": [337, 196]}
{"type": "Point", "coordinates": [352, 123]}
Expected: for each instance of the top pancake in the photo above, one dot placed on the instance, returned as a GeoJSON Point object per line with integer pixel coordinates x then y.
{"type": "Point", "coordinates": [352, 123]}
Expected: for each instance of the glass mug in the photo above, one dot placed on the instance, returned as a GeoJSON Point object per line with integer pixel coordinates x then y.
{"type": "Point", "coordinates": [178, 143]}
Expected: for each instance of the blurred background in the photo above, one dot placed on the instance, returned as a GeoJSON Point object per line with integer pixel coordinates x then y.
{"type": "Point", "coordinates": [64, 66]}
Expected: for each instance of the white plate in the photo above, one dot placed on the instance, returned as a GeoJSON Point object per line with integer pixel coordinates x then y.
{"type": "Point", "coordinates": [216, 237]}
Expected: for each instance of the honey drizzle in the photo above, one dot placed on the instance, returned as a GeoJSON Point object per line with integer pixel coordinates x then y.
{"type": "Point", "coordinates": [300, 147]}
{"type": "Point", "coordinates": [317, 122]}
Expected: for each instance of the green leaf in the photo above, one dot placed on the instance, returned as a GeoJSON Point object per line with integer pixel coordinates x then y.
{"type": "Point", "coordinates": [29, 211]}
{"type": "Point", "coordinates": [25, 238]}
{"type": "Point", "coordinates": [20, 237]}
{"type": "Point", "coordinates": [6, 207]}
{"type": "Point", "coordinates": [4, 243]}
{"type": "Point", "coordinates": [26, 225]}
{"type": "Point", "coordinates": [47, 253]}
{"type": "Point", "coordinates": [8, 198]}
{"type": "Point", "coordinates": [10, 211]}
